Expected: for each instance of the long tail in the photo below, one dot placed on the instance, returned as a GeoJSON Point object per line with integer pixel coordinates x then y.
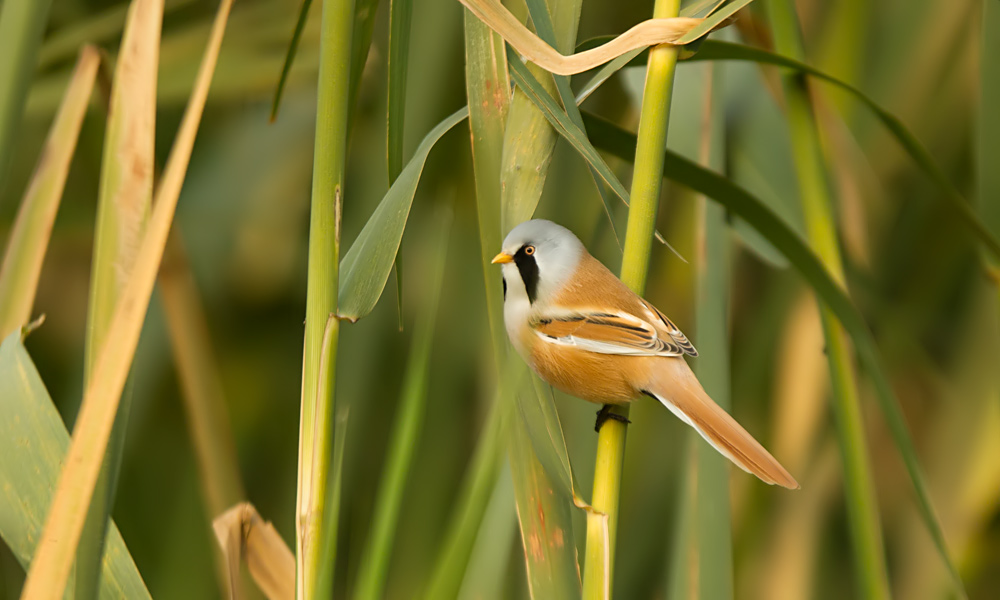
{"type": "Point", "coordinates": [676, 387]}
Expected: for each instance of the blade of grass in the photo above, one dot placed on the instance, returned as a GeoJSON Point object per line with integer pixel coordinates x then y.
{"type": "Point", "coordinates": [367, 265]}
{"type": "Point", "coordinates": [400, 15]}
{"type": "Point", "coordinates": [22, 23]}
{"type": "Point", "coordinates": [293, 49]}
{"type": "Point", "coordinates": [33, 442]}
{"type": "Point", "coordinates": [405, 432]}
{"type": "Point", "coordinates": [53, 561]}
{"type": "Point", "coordinates": [245, 537]}
{"type": "Point", "coordinates": [620, 143]}
{"type": "Point", "coordinates": [364, 24]}
{"type": "Point", "coordinates": [203, 397]}
{"type": "Point", "coordinates": [646, 181]}
{"type": "Point", "coordinates": [318, 402]}
{"type": "Point", "coordinates": [29, 237]}
{"type": "Point", "coordinates": [126, 192]}
{"type": "Point", "coordinates": [862, 503]}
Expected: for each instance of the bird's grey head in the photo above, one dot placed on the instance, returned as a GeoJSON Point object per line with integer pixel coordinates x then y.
{"type": "Point", "coordinates": [538, 257]}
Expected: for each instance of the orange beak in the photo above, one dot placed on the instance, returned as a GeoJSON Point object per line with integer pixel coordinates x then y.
{"type": "Point", "coordinates": [502, 259]}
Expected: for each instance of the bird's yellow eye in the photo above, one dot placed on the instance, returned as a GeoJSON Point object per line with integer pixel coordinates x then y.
{"type": "Point", "coordinates": [529, 250]}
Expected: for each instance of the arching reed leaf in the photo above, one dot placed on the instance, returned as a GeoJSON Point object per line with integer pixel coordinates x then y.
{"type": "Point", "coordinates": [366, 266]}
{"type": "Point", "coordinates": [719, 50]}
{"type": "Point", "coordinates": [651, 32]}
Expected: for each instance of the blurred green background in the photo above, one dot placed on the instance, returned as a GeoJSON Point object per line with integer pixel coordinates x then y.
{"type": "Point", "coordinates": [913, 270]}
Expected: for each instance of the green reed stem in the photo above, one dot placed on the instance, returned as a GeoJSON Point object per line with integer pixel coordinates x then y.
{"type": "Point", "coordinates": [316, 421]}
{"type": "Point", "coordinates": [862, 505]}
{"type": "Point", "coordinates": [647, 178]}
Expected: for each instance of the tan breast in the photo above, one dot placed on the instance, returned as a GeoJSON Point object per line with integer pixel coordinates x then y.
{"type": "Point", "coordinates": [601, 378]}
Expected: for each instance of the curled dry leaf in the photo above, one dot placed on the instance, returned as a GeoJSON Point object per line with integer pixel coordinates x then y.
{"type": "Point", "coordinates": [652, 32]}
{"type": "Point", "coordinates": [245, 537]}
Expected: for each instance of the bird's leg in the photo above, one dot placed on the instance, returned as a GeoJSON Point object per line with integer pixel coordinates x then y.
{"type": "Point", "coordinates": [604, 414]}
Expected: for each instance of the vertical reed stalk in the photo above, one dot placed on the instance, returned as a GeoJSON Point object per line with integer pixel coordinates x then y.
{"type": "Point", "coordinates": [862, 504]}
{"type": "Point", "coordinates": [647, 178]}
{"type": "Point", "coordinates": [317, 409]}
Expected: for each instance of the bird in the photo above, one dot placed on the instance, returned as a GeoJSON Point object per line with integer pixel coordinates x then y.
{"type": "Point", "coordinates": [582, 330]}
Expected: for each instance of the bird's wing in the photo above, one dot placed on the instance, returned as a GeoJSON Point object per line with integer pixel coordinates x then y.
{"type": "Point", "coordinates": [607, 333]}
{"type": "Point", "coordinates": [666, 327]}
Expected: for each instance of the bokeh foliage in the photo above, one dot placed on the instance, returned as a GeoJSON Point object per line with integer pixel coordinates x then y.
{"type": "Point", "coordinates": [913, 267]}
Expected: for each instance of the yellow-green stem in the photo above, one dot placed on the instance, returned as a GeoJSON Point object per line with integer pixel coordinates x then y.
{"type": "Point", "coordinates": [647, 178]}
{"type": "Point", "coordinates": [317, 411]}
{"type": "Point", "coordinates": [862, 505]}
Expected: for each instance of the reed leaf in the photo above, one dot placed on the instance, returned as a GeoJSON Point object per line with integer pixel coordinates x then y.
{"type": "Point", "coordinates": [246, 538]}
{"type": "Point", "coordinates": [123, 205]}
{"type": "Point", "coordinates": [51, 566]}
{"type": "Point", "coordinates": [34, 441]}
{"type": "Point", "coordinates": [367, 264]}
{"type": "Point", "coordinates": [29, 237]}
{"type": "Point", "coordinates": [400, 15]}
{"type": "Point", "coordinates": [959, 206]}
{"type": "Point", "coordinates": [653, 32]}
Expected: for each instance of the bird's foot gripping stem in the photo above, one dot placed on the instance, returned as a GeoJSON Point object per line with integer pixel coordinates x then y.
{"type": "Point", "coordinates": [604, 414]}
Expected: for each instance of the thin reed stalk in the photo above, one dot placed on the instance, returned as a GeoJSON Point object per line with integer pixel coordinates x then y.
{"type": "Point", "coordinates": [862, 503]}
{"type": "Point", "coordinates": [320, 345]}
{"type": "Point", "coordinates": [647, 179]}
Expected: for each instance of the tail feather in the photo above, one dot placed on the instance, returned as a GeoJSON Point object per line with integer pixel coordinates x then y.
{"type": "Point", "coordinates": [678, 389]}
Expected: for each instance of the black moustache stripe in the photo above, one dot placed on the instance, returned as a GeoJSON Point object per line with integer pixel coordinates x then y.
{"type": "Point", "coordinates": [528, 268]}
